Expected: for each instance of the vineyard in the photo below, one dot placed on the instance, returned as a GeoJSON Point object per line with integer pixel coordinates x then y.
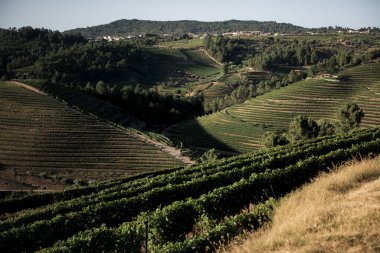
{"type": "Point", "coordinates": [43, 141]}
{"type": "Point", "coordinates": [85, 102]}
{"type": "Point", "coordinates": [240, 127]}
{"type": "Point", "coordinates": [188, 209]}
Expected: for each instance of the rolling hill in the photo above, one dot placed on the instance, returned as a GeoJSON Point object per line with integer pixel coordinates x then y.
{"type": "Point", "coordinates": [44, 142]}
{"type": "Point", "coordinates": [239, 128]}
{"type": "Point", "coordinates": [125, 27]}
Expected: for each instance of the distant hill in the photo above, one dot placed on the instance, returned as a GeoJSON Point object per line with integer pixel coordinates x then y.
{"type": "Point", "coordinates": [125, 27]}
{"type": "Point", "coordinates": [239, 128]}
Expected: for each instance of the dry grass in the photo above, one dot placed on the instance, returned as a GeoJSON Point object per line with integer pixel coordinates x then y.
{"type": "Point", "coordinates": [338, 212]}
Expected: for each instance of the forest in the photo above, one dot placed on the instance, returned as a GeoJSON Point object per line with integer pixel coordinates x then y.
{"type": "Point", "coordinates": [137, 27]}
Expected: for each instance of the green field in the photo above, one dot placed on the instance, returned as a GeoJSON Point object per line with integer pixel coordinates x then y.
{"type": "Point", "coordinates": [188, 209]}
{"type": "Point", "coordinates": [40, 134]}
{"type": "Point", "coordinates": [173, 63]}
{"type": "Point", "coordinates": [192, 43]}
{"type": "Point", "coordinates": [239, 128]}
{"type": "Point", "coordinates": [215, 90]}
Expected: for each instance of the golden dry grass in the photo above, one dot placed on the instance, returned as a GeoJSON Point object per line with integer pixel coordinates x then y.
{"type": "Point", "coordinates": [338, 212]}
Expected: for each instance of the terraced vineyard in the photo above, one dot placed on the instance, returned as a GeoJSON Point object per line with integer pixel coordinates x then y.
{"type": "Point", "coordinates": [186, 209]}
{"type": "Point", "coordinates": [85, 102]}
{"type": "Point", "coordinates": [239, 128]}
{"type": "Point", "coordinates": [41, 137]}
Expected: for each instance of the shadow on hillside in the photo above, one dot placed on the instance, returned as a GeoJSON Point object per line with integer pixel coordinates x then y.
{"type": "Point", "coordinates": [197, 138]}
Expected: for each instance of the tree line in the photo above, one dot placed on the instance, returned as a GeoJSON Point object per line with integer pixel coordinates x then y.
{"type": "Point", "coordinates": [349, 117]}
{"type": "Point", "coordinates": [148, 105]}
{"type": "Point", "coordinates": [23, 47]}
{"type": "Point", "coordinates": [141, 27]}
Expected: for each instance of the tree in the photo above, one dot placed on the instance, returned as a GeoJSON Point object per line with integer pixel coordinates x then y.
{"type": "Point", "coordinates": [88, 87]}
{"type": "Point", "coordinates": [209, 156]}
{"type": "Point", "coordinates": [325, 127]}
{"type": "Point", "coordinates": [272, 139]}
{"type": "Point", "coordinates": [349, 115]}
{"type": "Point", "coordinates": [303, 128]}
{"type": "Point", "coordinates": [100, 88]}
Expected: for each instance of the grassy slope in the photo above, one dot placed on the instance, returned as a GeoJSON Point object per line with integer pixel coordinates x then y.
{"type": "Point", "coordinates": [339, 212]}
{"type": "Point", "coordinates": [197, 42]}
{"type": "Point", "coordinates": [41, 134]}
{"type": "Point", "coordinates": [239, 128]}
{"type": "Point", "coordinates": [176, 68]}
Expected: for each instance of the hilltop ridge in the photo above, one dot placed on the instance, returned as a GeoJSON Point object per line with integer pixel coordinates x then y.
{"type": "Point", "coordinates": [125, 27]}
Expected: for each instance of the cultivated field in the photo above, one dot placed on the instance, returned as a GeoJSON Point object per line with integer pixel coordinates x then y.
{"type": "Point", "coordinates": [186, 209]}
{"type": "Point", "coordinates": [240, 127]}
{"type": "Point", "coordinates": [47, 144]}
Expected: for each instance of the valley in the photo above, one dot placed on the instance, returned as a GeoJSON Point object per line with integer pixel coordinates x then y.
{"type": "Point", "coordinates": [183, 136]}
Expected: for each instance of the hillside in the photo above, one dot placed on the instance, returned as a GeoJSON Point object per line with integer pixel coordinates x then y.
{"type": "Point", "coordinates": [47, 144]}
{"type": "Point", "coordinates": [239, 128]}
{"type": "Point", "coordinates": [186, 209]}
{"type": "Point", "coordinates": [136, 27]}
{"type": "Point", "coordinates": [339, 212]}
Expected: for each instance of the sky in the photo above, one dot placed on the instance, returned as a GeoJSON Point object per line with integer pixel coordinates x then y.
{"type": "Point", "coordinates": [69, 14]}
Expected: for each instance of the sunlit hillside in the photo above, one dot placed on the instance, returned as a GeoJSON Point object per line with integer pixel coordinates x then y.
{"type": "Point", "coordinates": [339, 212]}
{"type": "Point", "coordinates": [239, 128]}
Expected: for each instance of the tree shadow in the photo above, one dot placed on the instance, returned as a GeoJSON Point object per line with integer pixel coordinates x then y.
{"type": "Point", "coordinates": [190, 134]}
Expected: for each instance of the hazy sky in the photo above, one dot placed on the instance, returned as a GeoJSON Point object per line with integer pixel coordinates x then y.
{"type": "Point", "coordinates": [67, 14]}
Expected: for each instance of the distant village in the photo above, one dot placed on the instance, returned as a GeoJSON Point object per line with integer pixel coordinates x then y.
{"type": "Point", "coordinates": [231, 34]}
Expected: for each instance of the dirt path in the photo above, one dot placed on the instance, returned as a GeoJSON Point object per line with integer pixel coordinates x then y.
{"type": "Point", "coordinates": [26, 87]}
{"type": "Point", "coordinates": [211, 57]}
{"type": "Point", "coordinates": [165, 148]}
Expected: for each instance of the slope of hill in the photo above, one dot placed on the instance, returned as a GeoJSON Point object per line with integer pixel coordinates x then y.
{"type": "Point", "coordinates": [339, 212]}
{"type": "Point", "coordinates": [44, 142]}
{"type": "Point", "coordinates": [125, 27]}
{"type": "Point", "coordinates": [187, 209]}
{"type": "Point", "coordinates": [240, 127]}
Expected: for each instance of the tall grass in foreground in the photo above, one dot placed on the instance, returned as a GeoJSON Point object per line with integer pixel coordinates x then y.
{"type": "Point", "coordinates": [338, 212]}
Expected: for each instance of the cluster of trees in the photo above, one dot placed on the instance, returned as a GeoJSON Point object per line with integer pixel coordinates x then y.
{"type": "Point", "coordinates": [303, 128]}
{"type": "Point", "coordinates": [342, 58]}
{"type": "Point", "coordinates": [87, 62]}
{"type": "Point", "coordinates": [250, 90]}
{"type": "Point", "coordinates": [64, 57]}
{"type": "Point", "coordinates": [294, 54]}
{"type": "Point", "coordinates": [271, 52]}
{"type": "Point", "coordinates": [226, 49]}
{"type": "Point", "coordinates": [148, 105]}
{"type": "Point", "coordinates": [23, 47]}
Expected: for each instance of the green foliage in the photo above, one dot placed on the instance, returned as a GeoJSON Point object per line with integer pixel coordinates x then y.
{"type": "Point", "coordinates": [22, 47]}
{"type": "Point", "coordinates": [303, 128]}
{"type": "Point", "coordinates": [216, 189]}
{"type": "Point", "coordinates": [326, 127]}
{"type": "Point", "coordinates": [273, 139]}
{"type": "Point", "coordinates": [226, 49]}
{"type": "Point", "coordinates": [247, 91]}
{"type": "Point", "coordinates": [100, 88]}
{"type": "Point", "coordinates": [294, 54]}
{"type": "Point", "coordinates": [350, 115]}
{"type": "Point", "coordinates": [210, 155]}
{"type": "Point", "coordinates": [91, 61]}
{"type": "Point", "coordinates": [136, 27]}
